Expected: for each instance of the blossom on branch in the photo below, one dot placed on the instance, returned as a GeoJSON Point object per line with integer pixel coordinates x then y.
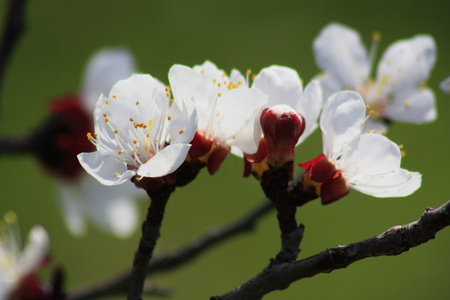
{"type": "Point", "coordinates": [63, 137]}
{"type": "Point", "coordinates": [17, 264]}
{"type": "Point", "coordinates": [225, 105]}
{"type": "Point", "coordinates": [139, 131]}
{"type": "Point", "coordinates": [366, 162]}
{"type": "Point", "coordinates": [399, 91]}
{"type": "Point", "coordinates": [284, 88]}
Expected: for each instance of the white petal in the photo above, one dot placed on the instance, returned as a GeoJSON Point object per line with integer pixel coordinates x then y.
{"type": "Point", "coordinates": [70, 198]}
{"type": "Point", "coordinates": [105, 168]}
{"type": "Point", "coordinates": [35, 251]}
{"type": "Point", "coordinates": [309, 107]}
{"type": "Point", "coordinates": [406, 64]}
{"type": "Point", "coordinates": [281, 84]}
{"type": "Point", "coordinates": [341, 121]}
{"type": "Point", "coordinates": [340, 53]}
{"type": "Point", "coordinates": [111, 208]}
{"type": "Point", "coordinates": [328, 84]}
{"type": "Point", "coordinates": [371, 154]}
{"type": "Point", "coordinates": [375, 126]}
{"type": "Point", "coordinates": [104, 69]}
{"type": "Point", "coordinates": [445, 85]}
{"type": "Point", "coordinates": [400, 184]}
{"type": "Point", "coordinates": [165, 161]}
{"type": "Point", "coordinates": [418, 107]}
{"type": "Point", "coordinates": [236, 109]}
{"type": "Point", "coordinates": [247, 140]}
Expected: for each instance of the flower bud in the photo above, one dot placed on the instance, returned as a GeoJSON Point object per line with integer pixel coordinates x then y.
{"type": "Point", "coordinates": [282, 127]}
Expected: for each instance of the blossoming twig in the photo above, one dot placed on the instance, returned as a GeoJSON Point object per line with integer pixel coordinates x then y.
{"type": "Point", "coordinates": [182, 255]}
{"type": "Point", "coordinates": [393, 241]}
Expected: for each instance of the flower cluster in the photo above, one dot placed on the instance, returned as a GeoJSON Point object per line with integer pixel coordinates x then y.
{"type": "Point", "coordinates": [145, 130]}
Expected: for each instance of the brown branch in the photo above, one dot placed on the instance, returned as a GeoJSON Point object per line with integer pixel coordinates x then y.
{"type": "Point", "coordinates": [394, 241]}
{"type": "Point", "coordinates": [13, 29]}
{"type": "Point", "coordinates": [181, 256]}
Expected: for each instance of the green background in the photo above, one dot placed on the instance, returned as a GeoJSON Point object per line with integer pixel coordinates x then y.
{"type": "Point", "coordinates": [48, 62]}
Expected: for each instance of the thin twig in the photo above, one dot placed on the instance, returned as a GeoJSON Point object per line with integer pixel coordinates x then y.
{"type": "Point", "coordinates": [150, 234]}
{"type": "Point", "coordinates": [15, 23]}
{"type": "Point", "coordinates": [181, 256]}
{"type": "Point", "coordinates": [394, 241]}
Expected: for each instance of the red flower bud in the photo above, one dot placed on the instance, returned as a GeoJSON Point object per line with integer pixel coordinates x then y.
{"type": "Point", "coordinates": [282, 127]}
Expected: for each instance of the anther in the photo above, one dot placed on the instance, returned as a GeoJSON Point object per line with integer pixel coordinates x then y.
{"type": "Point", "coordinates": [114, 96]}
{"type": "Point", "coordinates": [383, 132]}
{"type": "Point", "coordinates": [120, 152]}
{"type": "Point", "coordinates": [137, 102]}
{"type": "Point", "coordinates": [134, 141]}
{"type": "Point", "coordinates": [116, 131]}
{"type": "Point", "coordinates": [169, 118]}
{"type": "Point", "coordinates": [89, 136]}
{"type": "Point", "coordinates": [117, 174]}
{"type": "Point", "coordinates": [180, 132]}
{"type": "Point", "coordinates": [135, 150]}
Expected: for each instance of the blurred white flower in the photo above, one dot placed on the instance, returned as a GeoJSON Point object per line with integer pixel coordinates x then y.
{"type": "Point", "coordinates": [17, 263]}
{"type": "Point", "coordinates": [81, 198]}
{"type": "Point", "coordinates": [398, 93]}
{"type": "Point", "coordinates": [445, 85]}
{"type": "Point", "coordinates": [367, 162]}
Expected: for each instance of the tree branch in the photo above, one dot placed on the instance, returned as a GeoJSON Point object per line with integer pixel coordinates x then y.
{"type": "Point", "coordinates": [394, 241]}
{"type": "Point", "coordinates": [13, 29]}
{"type": "Point", "coordinates": [181, 256]}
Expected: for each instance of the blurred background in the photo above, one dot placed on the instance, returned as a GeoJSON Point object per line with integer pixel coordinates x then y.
{"type": "Point", "coordinates": [48, 62]}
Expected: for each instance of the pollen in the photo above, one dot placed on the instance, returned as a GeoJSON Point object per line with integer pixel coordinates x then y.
{"type": "Point", "coordinates": [117, 174]}
{"type": "Point", "coordinates": [376, 36]}
{"type": "Point", "coordinates": [181, 131]}
{"type": "Point", "coordinates": [89, 136]}
{"type": "Point", "coordinates": [253, 77]}
{"type": "Point", "coordinates": [131, 120]}
{"type": "Point", "coordinates": [116, 131]}
{"type": "Point", "coordinates": [367, 107]}
{"type": "Point", "coordinates": [105, 115]}
{"type": "Point", "coordinates": [134, 141]}
{"type": "Point", "coordinates": [368, 131]}
{"type": "Point", "coordinates": [120, 152]}
{"type": "Point", "coordinates": [137, 102]}
{"type": "Point", "coordinates": [114, 96]}
{"type": "Point", "coordinates": [135, 150]}
{"type": "Point", "coordinates": [169, 118]}
{"type": "Point", "coordinates": [218, 84]}
{"type": "Point", "coordinates": [371, 112]}
{"type": "Point", "coordinates": [383, 132]}
{"type": "Point", "coordinates": [403, 153]}
{"type": "Point", "coordinates": [106, 120]}
{"type": "Point", "coordinates": [106, 102]}
{"type": "Point", "coordinates": [219, 94]}
{"type": "Point", "coordinates": [171, 101]}
{"type": "Point", "coordinates": [400, 146]}
{"type": "Point", "coordinates": [167, 89]}
{"type": "Point", "coordinates": [249, 72]}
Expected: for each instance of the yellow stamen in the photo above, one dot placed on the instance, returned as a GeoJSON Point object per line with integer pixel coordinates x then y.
{"type": "Point", "coordinates": [367, 131]}
{"type": "Point", "coordinates": [134, 141]}
{"type": "Point", "coordinates": [114, 96]}
{"type": "Point", "coordinates": [116, 131]}
{"type": "Point", "coordinates": [120, 152]}
{"type": "Point", "coordinates": [117, 174]}
{"type": "Point", "coordinates": [135, 150]}
{"type": "Point", "coordinates": [181, 131]}
{"type": "Point", "coordinates": [403, 153]}
{"type": "Point", "coordinates": [131, 120]}
{"type": "Point", "coordinates": [169, 118]}
{"type": "Point", "coordinates": [89, 136]}
{"type": "Point", "coordinates": [137, 102]}
{"type": "Point", "coordinates": [383, 132]}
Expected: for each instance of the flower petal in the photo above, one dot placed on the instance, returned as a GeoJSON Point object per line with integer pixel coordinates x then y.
{"type": "Point", "coordinates": [418, 107]}
{"type": "Point", "coordinates": [236, 109]}
{"type": "Point", "coordinates": [104, 69]}
{"type": "Point", "coordinates": [399, 184]}
{"type": "Point", "coordinates": [340, 53]}
{"type": "Point", "coordinates": [309, 107]}
{"type": "Point", "coordinates": [165, 161]}
{"type": "Point", "coordinates": [106, 169]}
{"type": "Point", "coordinates": [371, 154]}
{"type": "Point", "coordinates": [406, 64]}
{"type": "Point", "coordinates": [36, 249]}
{"type": "Point", "coordinates": [69, 201]}
{"type": "Point", "coordinates": [281, 84]}
{"type": "Point", "coordinates": [341, 121]}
